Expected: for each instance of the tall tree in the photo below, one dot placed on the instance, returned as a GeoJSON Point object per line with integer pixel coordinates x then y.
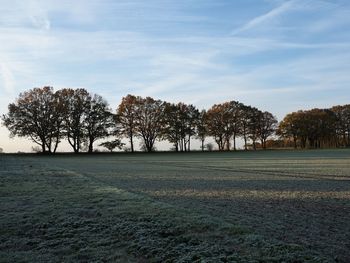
{"type": "Point", "coordinates": [342, 114]}
{"type": "Point", "coordinates": [75, 109]}
{"type": "Point", "coordinates": [245, 116]}
{"type": "Point", "coordinates": [202, 130]}
{"type": "Point", "coordinates": [254, 125]}
{"type": "Point", "coordinates": [149, 117]}
{"type": "Point", "coordinates": [218, 125]}
{"type": "Point", "coordinates": [35, 114]}
{"type": "Point", "coordinates": [180, 124]}
{"type": "Point", "coordinates": [235, 115]}
{"type": "Point", "coordinates": [126, 117]}
{"type": "Point", "coordinates": [289, 127]}
{"type": "Point", "coordinates": [98, 121]}
{"type": "Point", "coordinates": [173, 124]}
{"type": "Point", "coordinates": [267, 126]}
{"type": "Point", "coordinates": [191, 119]}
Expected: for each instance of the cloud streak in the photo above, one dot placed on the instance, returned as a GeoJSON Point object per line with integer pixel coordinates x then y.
{"type": "Point", "coordinates": [179, 51]}
{"type": "Point", "coordinates": [271, 15]}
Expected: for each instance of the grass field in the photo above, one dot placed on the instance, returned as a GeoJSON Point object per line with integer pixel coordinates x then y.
{"type": "Point", "coordinates": [273, 206]}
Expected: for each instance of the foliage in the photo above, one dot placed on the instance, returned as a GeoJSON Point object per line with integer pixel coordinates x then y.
{"type": "Point", "coordinates": [111, 145]}
{"type": "Point", "coordinates": [150, 120]}
{"type": "Point", "coordinates": [180, 124]}
{"type": "Point", "coordinates": [126, 117]}
{"type": "Point", "coordinates": [46, 117]}
{"type": "Point", "coordinates": [36, 115]}
{"type": "Point", "coordinates": [99, 120]}
{"type": "Point", "coordinates": [317, 128]}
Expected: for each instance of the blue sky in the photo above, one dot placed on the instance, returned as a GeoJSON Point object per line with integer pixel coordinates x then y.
{"type": "Point", "coordinates": [277, 55]}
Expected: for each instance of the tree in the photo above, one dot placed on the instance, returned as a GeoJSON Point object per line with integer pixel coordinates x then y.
{"type": "Point", "coordinates": [235, 115]}
{"type": "Point", "coordinates": [267, 127]}
{"type": "Point", "coordinates": [172, 130]}
{"type": "Point", "coordinates": [289, 128]}
{"type": "Point", "coordinates": [98, 121]}
{"type": "Point", "coordinates": [314, 128]}
{"type": "Point", "coordinates": [245, 120]}
{"type": "Point", "coordinates": [180, 124]}
{"type": "Point", "coordinates": [126, 117]}
{"type": "Point", "coordinates": [254, 125]}
{"type": "Point", "coordinates": [202, 130]}
{"type": "Point", "coordinates": [209, 146]}
{"type": "Point", "coordinates": [36, 115]}
{"type": "Point", "coordinates": [342, 128]}
{"type": "Point", "coordinates": [149, 120]}
{"type": "Point", "coordinates": [217, 125]}
{"type": "Point", "coordinates": [191, 119]}
{"type": "Point", "coordinates": [111, 145]}
{"type": "Point", "coordinates": [75, 111]}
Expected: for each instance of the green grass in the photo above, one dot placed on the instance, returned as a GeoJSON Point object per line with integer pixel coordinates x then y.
{"type": "Point", "coordinates": [273, 206]}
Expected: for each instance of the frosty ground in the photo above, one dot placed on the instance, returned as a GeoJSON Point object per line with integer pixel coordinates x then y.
{"type": "Point", "coordinates": [265, 206]}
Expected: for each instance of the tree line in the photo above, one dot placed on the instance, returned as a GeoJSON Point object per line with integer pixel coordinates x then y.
{"type": "Point", "coordinates": [317, 128]}
{"type": "Point", "coordinates": [47, 117]}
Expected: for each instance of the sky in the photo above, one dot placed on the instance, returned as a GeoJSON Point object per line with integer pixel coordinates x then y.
{"type": "Point", "coordinates": [279, 56]}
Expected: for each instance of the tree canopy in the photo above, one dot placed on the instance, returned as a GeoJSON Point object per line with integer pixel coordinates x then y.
{"type": "Point", "coordinates": [47, 117]}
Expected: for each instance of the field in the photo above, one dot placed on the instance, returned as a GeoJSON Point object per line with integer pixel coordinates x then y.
{"type": "Point", "coordinates": [273, 206]}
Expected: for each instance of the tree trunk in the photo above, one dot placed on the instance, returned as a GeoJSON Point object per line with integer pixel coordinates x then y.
{"type": "Point", "coordinates": [43, 148]}
{"type": "Point", "coordinates": [234, 142]}
{"type": "Point", "coordinates": [131, 143]}
{"type": "Point", "coordinates": [91, 146]}
{"type": "Point", "coordinates": [227, 144]}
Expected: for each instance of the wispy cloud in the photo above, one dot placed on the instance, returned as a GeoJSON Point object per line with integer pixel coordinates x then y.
{"type": "Point", "coordinates": [180, 50]}
{"type": "Point", "coordinates": [261, 19]}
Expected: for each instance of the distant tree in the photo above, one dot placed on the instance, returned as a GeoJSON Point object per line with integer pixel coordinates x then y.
{"type": "Point", "coordinates": [320, 127]}
{"type": "Point", "coordinates": [289, 127]}
{"type": "Point", "coordinates": [180, 124]}
{"type": "Point", "coordinates": [75, 110]}
{"type": "Point", "coordinates": [36, 115]}
{"type": "Point", "coordinates": [172, 129]}
{"type": "Point", "coordinates": [313, 128]}
{"type": "Point", "coordinates": [342, 125]}
{"type": "Point", "coordinates": [150, 119]}
{"type": "Point", "coordinates": [267, 127]}
{"type": "Point", "coordinates": [1, 150]}
{"type": "Point", "coordinates": [98, 121]}
{"type": "Point", "coordinates": [209, 146]}
{"type": "Point", "coordinates": [217, 125]}
{"type": "Point", "coordinates": [254, 125]}
{"type": "Point", "coordinates": [235, 115]}
{"type": "Point", "coordinates": [224, 122]}
{"type": "Point", "coordinates": [36, 149]}
{"type": "Point", "coordinates": [111, 145]}
{"type": "Point", "coordinates": [202, 130]}
{"type": "Point", "coordinates": [126, 117]}
{"type": "Point", "coordinates": [245, 119]}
